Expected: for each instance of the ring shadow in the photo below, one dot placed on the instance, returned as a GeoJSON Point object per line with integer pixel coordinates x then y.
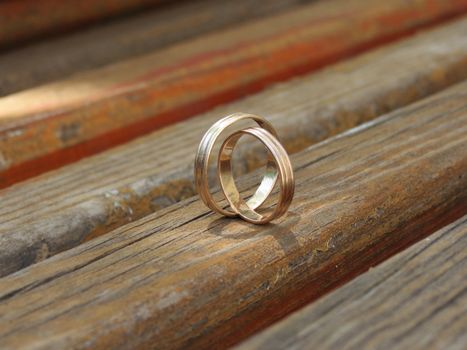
{"type": "Point", "coordinates": [282, 233]}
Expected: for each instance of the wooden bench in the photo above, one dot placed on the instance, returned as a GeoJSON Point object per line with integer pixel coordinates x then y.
{"type": "Point", "coordinates": [116, 250]}
{"type": "Point", "coordinates": [360, 198]}
{"type": "Point", "coordinates": [79, 202]}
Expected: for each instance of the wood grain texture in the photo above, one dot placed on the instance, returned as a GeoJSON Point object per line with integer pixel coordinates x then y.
{"type": "Point", "coordinates": [130, 36]}
{"type": "Point", "coordinates": [60, 210]}
{"type": "Point", "coordinates": [23, 20]}
{"type": "Point", "coordinates": [415, 300]}
{"type": "Point", "coordinates": [46, 127]}
{"type": "Point", "coordinates": [185, 277]}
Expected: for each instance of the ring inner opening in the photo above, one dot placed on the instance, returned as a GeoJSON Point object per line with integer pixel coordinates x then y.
{"type": "Point", "coordinates": [250, 153]}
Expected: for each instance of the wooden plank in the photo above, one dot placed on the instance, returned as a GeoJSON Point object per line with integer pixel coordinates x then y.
{"type": "Point", "coordinates": [46, 127]}
{"type": "Point", "coordinates": [61, 209]}
{"type": "Point", "coordinates": [130, 36]}
{"type": "Point", "coordinates": [415, 300]}
{"type": "Point", "coordinates": [30, 19]}
{"type": "Point", "coordinates": [185, 277]}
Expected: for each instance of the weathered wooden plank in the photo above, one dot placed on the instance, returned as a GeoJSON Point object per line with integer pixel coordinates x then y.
{"type": "Point", "coordinates": [415, 300]}
{"type": "Point", "coordinates": [61, 209]}
{"type": "Point", "coordinates": [23, 20]}
{"type": "Point", "coordinates": [46, 127]}
{"type": "Point", "coordinates": [117, 40]}
{"type": "Point", "coordinates": [186, 277]}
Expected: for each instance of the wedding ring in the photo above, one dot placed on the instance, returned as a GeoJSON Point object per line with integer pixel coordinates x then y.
{"type": "Point", "coordinates": [278, 156]}
{"type": "Point", "coordinates": [278, 166]}
{"type": "Point", "coordinates": [204, 154]}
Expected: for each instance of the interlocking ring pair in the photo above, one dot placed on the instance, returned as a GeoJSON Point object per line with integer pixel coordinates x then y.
{"type": "Point", "coordinates": [278, 168]}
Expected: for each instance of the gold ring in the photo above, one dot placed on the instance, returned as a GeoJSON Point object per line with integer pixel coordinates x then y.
{"type": "Point", "coordinates": [278, 154]}
{"type": "Point", "coordinates": [278, 166]}
{"type": "Point", "coordinates": [204, 154]}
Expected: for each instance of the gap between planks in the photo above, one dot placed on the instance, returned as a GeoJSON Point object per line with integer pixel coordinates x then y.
{"type": "Point", "coordinates": [62, 209]}
{"type": "Point", "coordinates": [186, 277]}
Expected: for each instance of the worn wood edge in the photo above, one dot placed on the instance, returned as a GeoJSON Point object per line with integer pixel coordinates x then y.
{"type": "Point", "coordinates": [92, 112]}
{"type": "Point", "coordinates": [415, 300]}
{"type": "Point", "coordinates": [58, 211]}
{"type": "Point", "coordinates": [130, 36]}
{"type": "Point", "coordinates": [187, 277]}
{"type": "Point", "coordinates": [26, 20]}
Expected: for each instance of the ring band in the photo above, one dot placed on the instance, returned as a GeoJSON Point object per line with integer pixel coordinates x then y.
{"type": "Point", "coordinates": [202, 163]}
{"type": "Point", "coordinates": [281, 160]}
{"type": "Point", "coordinates": [278, 167]}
